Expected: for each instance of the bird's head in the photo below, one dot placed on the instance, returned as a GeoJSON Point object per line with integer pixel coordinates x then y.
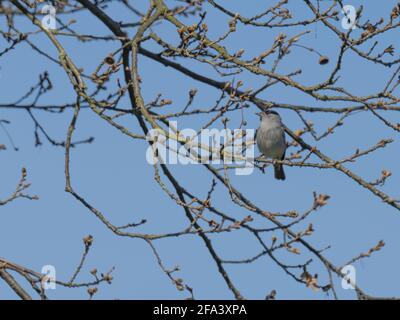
{"type": "Point", "coordinates": [269, 114]}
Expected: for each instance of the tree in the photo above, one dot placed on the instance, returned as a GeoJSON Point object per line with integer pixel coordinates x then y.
{"type": "Point", "coordinates": [201, 42]}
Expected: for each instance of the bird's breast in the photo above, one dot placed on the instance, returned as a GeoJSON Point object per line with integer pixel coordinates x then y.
{"type": "Point", "coordinates": [271, 142]}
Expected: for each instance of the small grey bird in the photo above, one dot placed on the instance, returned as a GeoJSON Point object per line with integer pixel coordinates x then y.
{"type": "Point", "coordinates": [270, 138]}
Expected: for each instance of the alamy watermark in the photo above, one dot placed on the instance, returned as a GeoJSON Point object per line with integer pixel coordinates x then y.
{"type": "Point", "coordinates": [230, 147]}
{"type": "Point", "coordinates": [49, 279]}
{"type": "Point", "coordinates": [349, 277]}
{"type": "Point", "coordinates": [350, 17]}
{"type": "Point", "coordinates": [49, 20]}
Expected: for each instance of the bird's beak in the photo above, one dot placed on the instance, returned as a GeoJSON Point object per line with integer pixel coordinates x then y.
{"type": "Point", "coordinates": [258, 114]}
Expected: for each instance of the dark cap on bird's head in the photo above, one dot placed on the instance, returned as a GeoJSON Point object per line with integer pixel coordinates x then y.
{"type": "Point", "coordinates": [267, 112]}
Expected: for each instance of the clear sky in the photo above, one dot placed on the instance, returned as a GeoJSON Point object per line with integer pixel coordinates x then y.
{"type": "Point", "coordinates": [113, 175]}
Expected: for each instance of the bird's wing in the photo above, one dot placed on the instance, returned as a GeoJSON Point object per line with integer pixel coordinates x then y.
{"type": "Point", "coordinates": [283, 156]}
{"type": "Point", "coordinates": [284, 141]}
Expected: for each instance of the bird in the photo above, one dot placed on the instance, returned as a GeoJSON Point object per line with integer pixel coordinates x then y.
{"type": "Point", "coordinates": [270, 139]}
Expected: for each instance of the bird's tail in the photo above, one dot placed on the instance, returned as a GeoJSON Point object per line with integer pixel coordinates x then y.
{"type": "Point", "coordinates": [279, 173]}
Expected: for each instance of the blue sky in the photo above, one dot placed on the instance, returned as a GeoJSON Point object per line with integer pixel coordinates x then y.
{"type": "Point", "coordinates": [113, 175]}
